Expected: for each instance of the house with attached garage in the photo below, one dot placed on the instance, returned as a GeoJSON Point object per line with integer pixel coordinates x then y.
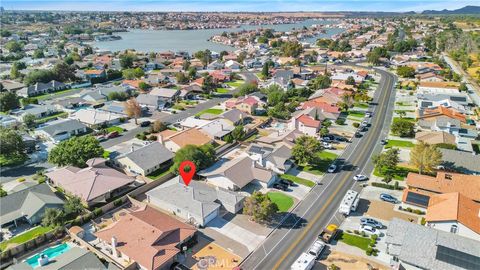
{"type": "Point", "coordinates": [454, 213]}
{"type": "Point", "coordinates": [59, 130]}
{"type": "Point", "coordinates": [95, 118]}
{"type": "Point", "coordinates": [28, 205]}
{"type": "Point", "coordinates": [151, 103]}
{"type": "Point", "coordinates": [304, 122]}
{"type": "Point", "coordinates": [142, 159]}
{"type": "Point", "coordinates": [175, 140]}
{"type": "Point", "coordinates": [198, 204]}
{"type": "Point", "coordinates": [218, 129]}
{"type": "Point", "coordinates": [40, 88]}
{"type": "Point", "coordinates": [36, 110]}
{"type": "Point", "coordinates": [97, 183]}
{"type": "Point", "coordinates": [235, 174]}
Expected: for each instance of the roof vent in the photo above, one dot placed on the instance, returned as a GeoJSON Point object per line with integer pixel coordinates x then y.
{"type": "Point", "coordinates": [448, 176]}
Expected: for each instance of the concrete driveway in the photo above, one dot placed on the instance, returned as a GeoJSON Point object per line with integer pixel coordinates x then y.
{"type": "Point", "coordinates": [235, 232]}
{"type": "Point", "coordinates": [298, 192]}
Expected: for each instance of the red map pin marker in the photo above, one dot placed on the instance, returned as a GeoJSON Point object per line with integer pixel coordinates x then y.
{"type": "Point", "coordinates": [187, 176]}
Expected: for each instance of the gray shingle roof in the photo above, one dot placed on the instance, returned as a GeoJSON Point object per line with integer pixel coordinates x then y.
{"type": "Point", "coordinates": [149, 156]}
{"type": "Point", "coordinates": [74, 258]}
{"type": "Point", "coordinates": [62, 125]}
{"type": "Point", "coordinates": [198, 198]}
{"type": "Point", "coordinates": [27, 202]}
{"type": "Point", "coordinates": [422, 246]}
{"type": "Point", "coordinates": [460, 161]}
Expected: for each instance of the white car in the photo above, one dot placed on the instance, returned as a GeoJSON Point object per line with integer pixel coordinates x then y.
{"type": "Point", "coordinates": [327, 145]}
{"type": "Point", "coordinates": [364, 124]}
{"type": "Point", "coordinates": [369, 230]}
{"type": "Point", "coordinates": [360, 177]}
{"type": "Point", "coordinates": [332, 168]}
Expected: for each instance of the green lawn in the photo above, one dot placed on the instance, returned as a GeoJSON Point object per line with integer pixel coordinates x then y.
{"type": "Point", "coordinates": [298, 180]}
{"type": "Point", "coordinates": [357, 114]}
{"type": "Point", "coordinates": [222, 90]}
{"type": "Point", "coordinates": [284, 202]}
{"type": "Point", "coordinates": [355, 240]}
{"type": "Point", "coordinates": [114, 128]}
{"type": "Point", "coordinates": [399, 173]}
{"type": "Point", "coordinates": [52, 95]}
{"type": "Point", "coordinates": [399, 143]}
{"type": "Point", "coordinates": [235, 84]}
{"type": "Point", "coordinates": [51, 117]}
{"type": "Point", "coordinates": [210, 111]}
{"type": "Point", "coordinates": [361, 105]}
{"type": "Point", "coordinates": [159, 173]}
{"type": "Point", "coordinates": [24, 237]}
{"type": "Point", "coordinates": [410, 119]}
{"type": "Point", "coordinates": [320, 165]}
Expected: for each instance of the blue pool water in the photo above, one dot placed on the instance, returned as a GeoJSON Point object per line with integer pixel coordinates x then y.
{"type": "Point", "coordinates": [51, 252]}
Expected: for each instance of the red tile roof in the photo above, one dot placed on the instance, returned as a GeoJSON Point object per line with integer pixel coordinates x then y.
{"type": "Point", "coordinates": [324, 106]}
{"type": "Point", "coordinates": [148, 236]}
{"type": "Point", "coordinates": [309, 121]}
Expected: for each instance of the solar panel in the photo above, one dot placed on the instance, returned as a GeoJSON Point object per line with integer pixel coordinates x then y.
{"type": "Point", "coordinates": [457, 258]}
{"type": "Point", "coordinates": [418, 199]}
{"type": "Point", "coordinates": [463, 99]}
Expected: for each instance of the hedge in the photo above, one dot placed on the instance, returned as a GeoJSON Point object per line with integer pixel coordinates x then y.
{"type": "Point", "coordinates": [387, 186]}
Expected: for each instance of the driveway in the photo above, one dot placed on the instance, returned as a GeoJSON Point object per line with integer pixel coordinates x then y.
{"type": "Point", "coordinates": [298, 191]}
{"type": "Point", "coordinates": [305, 175]}
{"type": "Point", "coordinates": [235, 232]}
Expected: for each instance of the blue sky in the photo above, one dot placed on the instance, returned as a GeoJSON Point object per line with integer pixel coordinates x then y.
{"type": "Point", "coordinates": [236, 5]}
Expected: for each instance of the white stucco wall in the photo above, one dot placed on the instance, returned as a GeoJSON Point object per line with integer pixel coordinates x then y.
{"type": "Point", "coordinates": [462, 230]}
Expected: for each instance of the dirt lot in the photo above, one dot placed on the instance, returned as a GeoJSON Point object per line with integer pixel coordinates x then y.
{"type": "Point", "coordinates": [346, 261]}
{"type": "Point", "coordinates": [208, 253]}
{"type": "Point", "coordinates": [384, 211]}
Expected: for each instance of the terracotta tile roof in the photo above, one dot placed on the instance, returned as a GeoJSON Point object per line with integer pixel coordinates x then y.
{"type": "Point", "coordinates": [440, 84]}
{"type": "Point", "coordinates": [323, 106]}
{"type": "Point", "coordinates": [309, 121]}
{"type": "Point", "coordinates": [148, 236]}
{"type": "Point", "coordinates": [188, 136]}
{"type": "Point", "coordinates": [454, 206]}
{"type": "Point", "coordinates": [133, 83]}
{"type": "Point", "coordinates": [468, 185]}
{"type": "Point", "coordinates": [435, 137]}
{"type": "Point", "coordinates": [94, 71]}
{"type": "Point", "coordinates": [440, 111]}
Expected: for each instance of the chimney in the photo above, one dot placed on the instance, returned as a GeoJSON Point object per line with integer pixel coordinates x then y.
{"type": "Point", "coordinates": [160, 139]}
{"type": "Point", "coordinates": [222, 126]}
{"type": "Point", "coordinates": [132, 148]}
{"type": "Point", "coordinates": [114, 247]}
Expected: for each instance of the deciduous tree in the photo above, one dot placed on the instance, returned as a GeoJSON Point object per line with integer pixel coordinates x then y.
{"type": "Point", "coordinates": [259, 207]}
{"type": "Point", "coordinates": [425, 157]}
{"type": "Point", "coordinates": [133, 109]}
{"type": "Point", "coordinates": [306, 149]}
{"type": "Point", "coordinates": [75, 151]}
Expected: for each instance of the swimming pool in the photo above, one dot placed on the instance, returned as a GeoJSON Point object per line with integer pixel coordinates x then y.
{"type": "Point", "coordinates": [51, 252]}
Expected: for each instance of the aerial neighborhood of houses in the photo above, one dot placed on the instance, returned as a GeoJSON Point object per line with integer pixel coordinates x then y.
{"type": "Point", "coordinates": [365, 143]}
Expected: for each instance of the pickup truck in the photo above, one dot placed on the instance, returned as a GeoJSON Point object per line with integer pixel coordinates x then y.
{"type": "Point", "coordinates": [328, 233]}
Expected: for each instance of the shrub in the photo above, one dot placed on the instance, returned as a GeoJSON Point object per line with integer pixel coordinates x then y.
{"type": "Point", "coordinates": [374, 237]}
{"type": "Point", "coordinates": [340, 121]}
{"type": "Point", "coordinates": [369, 251]}
{"type": "Point", "coordinates": [117, 202]}
{"type": "Point", "coordinates": [348, 231]}
{"type": "Point", "coordinates": [395, 186]}
{"type": "Point", "coordinates": [423, 221]}
{"type": "Point", "coordinates": [97, 212]}
{"type": "Point", "coordinates": [387, 186]}
{"type": "Point", "coordinates": [152, 138]}
{"type": "Point", "coordinates": [363, 234]}
{"type": "Point", "coordinates": [418, 212]}
{"type": "Point", "coordinates": [20, 180]}
{"type": "Point", "coordinates": [356, 124]}
{"type": "Point", "coordinates": [356, 232]}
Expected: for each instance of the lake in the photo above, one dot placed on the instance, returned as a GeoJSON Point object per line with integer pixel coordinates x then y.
{"type": "Point", "coordinates": [195, 40]}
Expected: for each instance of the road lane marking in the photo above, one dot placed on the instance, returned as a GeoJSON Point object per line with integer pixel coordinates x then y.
{"type": "Point", "coordinates": [330, 199]}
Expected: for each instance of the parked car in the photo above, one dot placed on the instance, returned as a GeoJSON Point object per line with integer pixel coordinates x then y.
{"type": "Point", "coordinates": [368, 114]}
{"type": "Point", "coordinates": [384, 141]}
{"type": "Point", "coordinates": [101, 138]}
{"type": "Point", "coordinates": [332, 168]}
{"type": "Point", "coordinates": [316, 249]}
{"type": "Point", "coordinates": [388, 198]}
{"type": "Point", "coordinates": [360, 177]}
{"type": "Point", "coordinates": [145, 123]}
{"type": "Point", "coordinates": [326, 139]}
{"type": "Point", "coordinates": [371, 222]}
{"type": "Point", "coordinates": [358, 134]}
{"type": "Point", "coordinates": [286, 182]}
{"type": "Point", "coordinates": [280, 187]}
{"type": "Point", "coordinates": [112, 134]}
{"type": "Point", "coordinates": [365, 124]}
{"type": "Point", "coordinates": [369, 230]}
{"type": "Point", "coordinates": [327, 145]}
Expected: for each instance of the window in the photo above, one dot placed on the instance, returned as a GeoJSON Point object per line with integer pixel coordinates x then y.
{"type": "Point", "coordinates": [454, 229]}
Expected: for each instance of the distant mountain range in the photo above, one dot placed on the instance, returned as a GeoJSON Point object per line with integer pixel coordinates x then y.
{"type": "Point", "coordinates": [464, 10]}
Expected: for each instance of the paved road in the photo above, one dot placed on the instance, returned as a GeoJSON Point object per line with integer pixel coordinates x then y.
{"type": "Point", "coordinates": [319, 208]}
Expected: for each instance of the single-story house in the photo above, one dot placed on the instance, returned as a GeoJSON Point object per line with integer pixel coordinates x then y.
{"type": "Point", "coordinates": [198, 204]}
{"type": "Point", "coordinates": [143, 159]}
{"type": "Point", "coordinates": [61, 129]}
{"type": "Point", "coordinates": [218, 129]}
{"type": "Point", "coordinates": [151, 102]}
{"type": "Point", "coordinates": [73, 258]}
{"type": "Point", "coordinates": [237, 173]}
{"type": "Point", "coordinates": [94, 184]}
{"type": "Point", "coordinates": [96, 118]}
{"type": "Point", "coordinates": [147, 237]}
{"type": "Point", "coordinates": [28, 205]}
{"type": "Point", "coordinates": [40, 88]}
{"type": "Point", "coordinates": [454, 213]}
{"type": "Point", "coordinates": [36, 110]}
{"type": "Point", "coordinates": [460, 161]}
{"type": "Point", "coordinates": [175, 140]}
{"type": "Point", "coordinates": [414, 246]}
{"type": "Point", "coordinates": [435, 137]}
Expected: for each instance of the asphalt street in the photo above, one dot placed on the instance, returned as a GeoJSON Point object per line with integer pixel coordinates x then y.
{"type": "Point", "coordinates": [320, 207]}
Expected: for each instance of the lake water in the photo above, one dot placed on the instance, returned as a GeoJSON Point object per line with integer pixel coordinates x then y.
{"type": "Point", "coordinates": [194, 40]}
